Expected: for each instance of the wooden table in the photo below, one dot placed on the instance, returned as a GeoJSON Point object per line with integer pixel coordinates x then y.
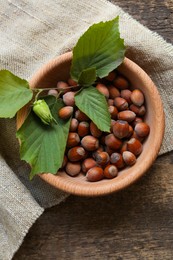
{"type": "Point", "coordinates": [136, 223]}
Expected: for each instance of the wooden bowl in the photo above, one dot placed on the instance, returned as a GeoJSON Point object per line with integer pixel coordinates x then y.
{"type": "Point", "coordinates": [58, 69]}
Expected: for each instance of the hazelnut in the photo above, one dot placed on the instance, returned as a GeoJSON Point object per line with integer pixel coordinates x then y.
{"type": "Point", "coordinates": [112, 124]}
{"type": "Point", "coordinates": [80, 116]}
{"type": "Point", "coordinates": [134, 146]}
{"type": "Point", "coordinates": [110, 102]}
{"type": "Point", "coordinates": [110, 171]}
{"type": "Point", "coordinates": [124, 147]}
{"type": "Point", "coordinates": [109, 150]}
{"type": "Point", "coordinates": [95, 174]}
{"type": "Point", "coordinates": [63, 86]}
{"type": "Point", "coordinates": [113, 142]}
{"type": "Point", "coordinates": [99, 150]}
{"type": "Point", "coordinates": [120, 103]}
{"type": "Point", "coordinates": [130, 131]}
{"type": "Point", "coordinates": [134, 135]}
{"type": "Point", "coordinates": [126, 115]}
{"type": "Point", "coordinates": [121, 129]}
{"type": "Point", "coordinates": [83, 128]}
{"type": "Point", "coordinates": [129, 158]}
{"type": "Point", "coordinates": [53, 92]}
{"type": "Point", "coordinates": [76, 154]}
{"type": "Point", "coordinates": [139, 111]}
{"type": "Point", "coordinates": [121, 83]}
{"type": "Point", "coordinates": [90, 143]}
{"type": "Point", "coordinates": [73, 125]}
{"type": "Point", "coordinates": [142, 111]}
{"type": "Point", "coordinates": [126, 94]}
{"type": "Point", "coordinates": [73, 139]}
{"type": "Point", "coordinates": [102, 158]}
{"type": "Point", "coordinates": [71, 82]}
{"type": "Point", "coordinates": [142, 129]}
{"type": "Point", "coordinates": [113, 112]}
{"type": "Point", "coordinates": [113, 92]}
{"type": "Point", "coordinates": [68, 98]}
{"type": "Point", "coordinates": [88, 164]}
{"type": "Point", "coordinates": [137, 97]}
{"type": "Point", "coordinates": [103, 89]}
{"type": "Point", "coordinates": [136, 120]}
{"type": "Point", "coordinates": [117, 160]}
{"type": "Point", "coordinates": [73, 169]}
{"type": "Point", "coordinates": [111, 76]}
{"type": "Point", "coordinates": [94, 130]}
{"type": "Point", "coordinates": [65, 112]}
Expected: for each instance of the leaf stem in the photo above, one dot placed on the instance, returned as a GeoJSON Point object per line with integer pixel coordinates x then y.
{"type": "Point", "coordinates": [61, 89]}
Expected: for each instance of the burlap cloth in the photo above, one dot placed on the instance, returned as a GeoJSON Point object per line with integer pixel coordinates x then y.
{"type": "Point", "coordinates": [31, 33]}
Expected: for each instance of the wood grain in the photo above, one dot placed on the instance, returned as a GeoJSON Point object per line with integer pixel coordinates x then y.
{"type": "Point", "coordinates": [136, 223]}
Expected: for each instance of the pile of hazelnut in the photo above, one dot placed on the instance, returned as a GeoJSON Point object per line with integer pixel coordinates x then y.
{"type": "Point", "coordinates": [99, 154]}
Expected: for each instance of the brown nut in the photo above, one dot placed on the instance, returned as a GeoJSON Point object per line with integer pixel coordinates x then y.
{"type": "Point", "coordinates": [109, 150]}
{"type": "Point", "coordinates": [142, 129]}
{"type": "Point", "coordinates": [80, 116]}
{"type": "Point", "coordinates": [129, 158]}
{"type": "Point", "coordinates": [113, 142]}
{"type": "Point", "coordinates": [139, 111]}
{"type": "Point", "coordinates": [73, 139]}
{"type": "Point", "coordinates": [90, 143]}
{"type": "Point", "coordinates": [126, 115]}
{"type": "Point", "coordinates": [76, 154]}
{"type": "Point", "coordinates": [53, 92]}
{"type": "Point", "coordinates": [136, 120]}
{"type": "Point", "coordinates": [130, 131]}
{"type": "Point", "coordinates": [68, 98]}
{"type": "Point", "coordinates": [134, 135]}
{"type": "Point", "coordinates": [94, 130]}
{"type": "Point", "coordinates": [88, 164]}
{"type": "Point", "coordinates": [99, 150]}
{"type": "Point", "coordinates": [134, 146]}
{"type": "Point", "coordinates": [112, 124]}
{"type": "Point", "coordinates": [65, 112]}
{"type": "Point", "coordinates": [113, 92]}
{"type": "Point", "coordinates": [117, 160]}
{"type": "Point", "coordinates": [121, 83]}
{"type": "Point", "coordinates": [110, 171]}
{"type": "Point", "coordinates": [74, 125]}
{"type": "Point", "coordinates": [126, 94]}
{"type": "Point", "coordinates": [95, 174]}
{"type": "Point", "coordinates": [110, 102]}
{"type": "Point", "coordinates": [120, 103]}
{"type": "Point", "coordinates": [83, 128]}
{"type": "Point", "coordinates": [71, 82]}
{"type": "Point", "coordinates": [124, 147]}
{"type": "Point", "coordinates": [113, 112]}
{"type": "Point", "coordinates": [73, 169]}
{"type": "Point", "coordinates": [63, 86]}
{"type": "Point", "coordinates": [121, 129]}
{"type": "Point", "coordinates": [111, 76]}
{"type": "Point", "coordinates": [142, 111]}
{"type": "Point", "coordinates": [137, 97]}
{"type": "Point", "coordinates": [103, 89]}
{"type": "Point", "coordinates": [102, 158]}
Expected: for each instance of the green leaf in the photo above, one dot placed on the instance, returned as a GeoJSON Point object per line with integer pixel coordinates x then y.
{"type": "Point", "coordinates": [87, 77]}
{"type": "Point", "coordinates": [43, 146]}
{"type": "Point", "coordinates": [91, 102]}
{"type": "Point", "coordinates": [14, 94]}
{"type": "Point", "coordinates": [100, 47]}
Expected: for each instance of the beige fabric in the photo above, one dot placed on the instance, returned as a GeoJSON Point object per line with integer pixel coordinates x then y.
{"type": "Point", "coordinates": [31, 33]}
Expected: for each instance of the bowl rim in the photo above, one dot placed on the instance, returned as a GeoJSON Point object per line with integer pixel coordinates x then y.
{"type": "Point", "coordinates": [57, 180]}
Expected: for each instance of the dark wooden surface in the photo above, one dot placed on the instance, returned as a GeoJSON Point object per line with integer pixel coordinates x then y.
{"type": "Point", "coordinates": [136, 223]}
